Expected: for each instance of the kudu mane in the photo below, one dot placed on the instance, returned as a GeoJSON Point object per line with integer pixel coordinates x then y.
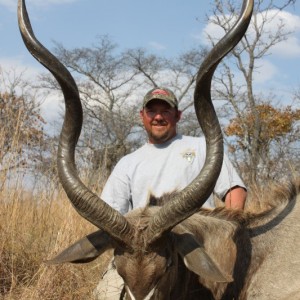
{"type": "Point", "coordinates": [271, 196]}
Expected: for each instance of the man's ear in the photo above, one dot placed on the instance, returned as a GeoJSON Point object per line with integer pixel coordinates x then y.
{"type": "Point", "coordinates": [141, 114]}
{"type": "Point", "coordinates": [179, 113]}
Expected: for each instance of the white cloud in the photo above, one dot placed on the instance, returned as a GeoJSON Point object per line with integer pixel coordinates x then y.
{"type": "Point", "coordinates": [157, 46]}
{"type": "Point", "coordinates": [17, 65]}
{"type": "Point", "coordinates": [209, 30]}
{"type": "Point", "coordinates": [266, 71]}
{"type": "Point", "coordinates": [51, 108]}
{"type": "Point", "coordinates": [288, 48]}
{"type": "Point", "coordinates": [291, 47]}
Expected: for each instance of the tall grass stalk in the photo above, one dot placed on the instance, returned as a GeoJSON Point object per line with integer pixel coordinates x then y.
{"type": "Point", "coordinates": [33, 230]}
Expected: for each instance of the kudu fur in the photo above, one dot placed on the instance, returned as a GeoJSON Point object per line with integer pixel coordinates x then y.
{"type": "Point", "coordinates": [177, 251]}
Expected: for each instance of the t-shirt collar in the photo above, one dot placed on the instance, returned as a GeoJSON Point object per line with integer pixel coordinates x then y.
{"type": "Point", "coordinates": [167, 143]}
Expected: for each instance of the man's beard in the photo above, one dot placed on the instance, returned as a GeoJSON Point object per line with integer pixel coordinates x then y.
{"type": "Point", "coordinates": [157, 136]}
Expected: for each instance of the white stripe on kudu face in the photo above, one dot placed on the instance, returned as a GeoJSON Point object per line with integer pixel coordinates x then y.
{"type": "Point", "coordinates": [146, 298]}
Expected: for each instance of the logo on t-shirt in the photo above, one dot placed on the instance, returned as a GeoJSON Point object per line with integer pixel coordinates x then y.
{"type": "Point", "coordinates": [189, 155]}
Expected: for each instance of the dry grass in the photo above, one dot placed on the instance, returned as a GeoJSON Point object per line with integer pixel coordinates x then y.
{"type": "Point", "coordinates": [33, 229]}
{"type": "Point", "coordinates": [36, 224]}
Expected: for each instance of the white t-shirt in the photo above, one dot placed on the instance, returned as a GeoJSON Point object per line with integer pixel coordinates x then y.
{"type": "Point", "coordinates": [162, 168]}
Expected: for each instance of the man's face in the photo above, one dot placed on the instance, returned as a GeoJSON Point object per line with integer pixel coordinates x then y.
{"type": "Point", "coordinates": [160, 120]}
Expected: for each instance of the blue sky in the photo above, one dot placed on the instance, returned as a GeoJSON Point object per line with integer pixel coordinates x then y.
{"type": "Point", "coordinates": [163, 26]}
{"type": "Point", "coordinates": [166, 27]}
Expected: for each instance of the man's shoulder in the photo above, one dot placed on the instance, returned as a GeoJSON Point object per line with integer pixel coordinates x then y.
{"type": "Point", "coordinates": [191, 140]}
{"type": "Point", "coordinates": [133, 155]}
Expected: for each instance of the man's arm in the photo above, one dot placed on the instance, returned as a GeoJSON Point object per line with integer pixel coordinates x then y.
{"type": "Point", "coordinates": [236, 198]}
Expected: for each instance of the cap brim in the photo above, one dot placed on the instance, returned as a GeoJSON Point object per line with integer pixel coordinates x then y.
{"type": "Point", "coordinates": [172, 104]}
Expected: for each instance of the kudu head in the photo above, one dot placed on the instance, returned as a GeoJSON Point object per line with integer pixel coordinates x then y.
{"type": "Point", "coordinates": [145, 242]}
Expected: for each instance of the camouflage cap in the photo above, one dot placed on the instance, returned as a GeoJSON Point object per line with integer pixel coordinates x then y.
{"type": "Point", "coordinates": [161, 94]}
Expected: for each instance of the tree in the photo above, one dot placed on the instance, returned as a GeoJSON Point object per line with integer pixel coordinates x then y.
{"type": "Point", "coordinates": [243, 63]}
{"type": "Point", "coordinates": [279, 132]}
{"type": "Point", "coordinates": [111, 86]}
{"type": "Point", "coordinates": [106, 87]}
{"type": "Point", "coordinates": [22, 134]}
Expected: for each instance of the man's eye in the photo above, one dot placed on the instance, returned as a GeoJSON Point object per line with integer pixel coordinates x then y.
{"type": "Point", "coordinates": [166, 113]}
{"type": "Point", "coordinates": [150, 112]}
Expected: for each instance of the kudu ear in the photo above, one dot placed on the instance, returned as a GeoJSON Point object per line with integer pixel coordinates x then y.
{"type": "Point", "coordinates": [85, 250]}
{"type": "Point", "coordinates": [197, 260]}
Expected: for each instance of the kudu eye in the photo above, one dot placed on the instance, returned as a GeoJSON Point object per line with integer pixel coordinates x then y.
{"type": "Point", "coordinates": [113, 264]}
{"type": "Point", "coordinates": [169, 262]}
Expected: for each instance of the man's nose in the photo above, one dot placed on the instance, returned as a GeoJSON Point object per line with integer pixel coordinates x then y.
{"type": "Point", "coordinates": [158, 115]}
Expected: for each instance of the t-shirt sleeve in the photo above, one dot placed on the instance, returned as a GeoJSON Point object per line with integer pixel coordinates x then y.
{"type": "Point", "coordinates": [228, 179]}
{"type": "Point", "coordinates": [116, 191]}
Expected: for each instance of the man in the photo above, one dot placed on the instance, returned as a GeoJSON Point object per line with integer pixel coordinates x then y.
{"type": "Point", "coordinates": [167, 162]}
